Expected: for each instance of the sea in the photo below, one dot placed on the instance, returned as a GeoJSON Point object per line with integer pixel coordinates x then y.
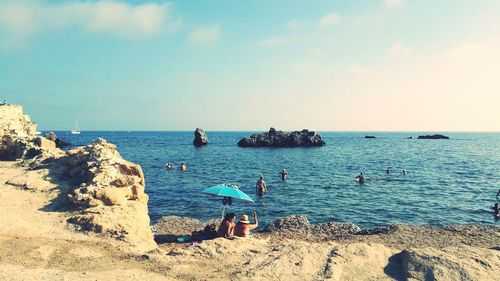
{"type": "Point", "coordinates": [449, 182]}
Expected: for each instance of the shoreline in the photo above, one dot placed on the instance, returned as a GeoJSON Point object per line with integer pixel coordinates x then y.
{"type": "Point", "coordinates": [82, 214]}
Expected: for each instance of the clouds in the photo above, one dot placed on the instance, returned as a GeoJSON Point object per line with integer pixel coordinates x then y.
{"type": "Point", "coordinates": [392, 3]}
{"type": "Point", "coordinates": [205, 36]}
{"type": "Point", "coordinates": [20, 20]}
{"type": "Point", "coordinates": [329, 20]}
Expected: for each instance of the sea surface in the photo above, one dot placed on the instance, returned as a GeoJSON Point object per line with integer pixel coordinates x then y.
{"type": "Point", "coordinates": [449, 182]}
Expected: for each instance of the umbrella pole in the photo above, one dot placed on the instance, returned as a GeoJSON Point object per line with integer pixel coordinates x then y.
{"type": "Point", "coordinates": [223, 210]}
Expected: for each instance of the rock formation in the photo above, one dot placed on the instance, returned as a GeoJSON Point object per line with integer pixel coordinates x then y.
{"type": "Point", "coordinates": [110, 193]}
{"type": "Point", "coordinates": [275, 138]}
{"type": "Point", "coordinates": [433, 137]}
{"type": "Point", "coordinates": [59, 141]}
{"type": "Point", "coordinates": [107, 191]}
{"type": "Point", "coordinates": [18, 134]}
{"type": "Point", "coordinates": [200, 138]}
{"type": "Point", "coordinates": [299, 226]}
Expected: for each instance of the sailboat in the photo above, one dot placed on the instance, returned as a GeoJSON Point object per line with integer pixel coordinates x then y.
{"type": "Point", "coordinates": [76, 130]}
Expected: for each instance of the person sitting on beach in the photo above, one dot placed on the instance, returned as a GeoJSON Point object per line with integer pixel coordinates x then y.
{"type": "Point", "coordinates": [243, 227]}
{"type": "Point", "coordinates": [169, 166]}
{"type": "Point", "coordinates": [226, 227]}
{"type": "Point", "coordinates": [283, 174]}
{"type": "Point", "coordinates": [361, 177]}
{"type": "Point", "coordinates": [261, 185]}
{"type": "Point", "coordinates": [182, 167]}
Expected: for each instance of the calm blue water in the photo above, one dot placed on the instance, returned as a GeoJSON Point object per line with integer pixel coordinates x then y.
{"type": "Point", "coordinates": [450, 182]}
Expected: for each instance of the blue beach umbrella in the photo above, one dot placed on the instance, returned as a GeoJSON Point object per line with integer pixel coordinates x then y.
{"type": "Point", "coordinates": [227, 192]}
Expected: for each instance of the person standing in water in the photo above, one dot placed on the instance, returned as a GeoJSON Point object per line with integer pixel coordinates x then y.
{"type": "Point", "coordinates": [261, 186]}
{"type": "Point", "coordinates": [361, 177]}
{"type": "Point", "coordinates": [183, 167]}
{"type": "Point", "coordinates": [405, 172]}
{"type": "Point", "coordinates": [284, 175]}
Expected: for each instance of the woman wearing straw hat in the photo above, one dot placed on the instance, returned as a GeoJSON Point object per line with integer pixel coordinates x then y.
{"type": "Point", "coordinates": [243, 227]}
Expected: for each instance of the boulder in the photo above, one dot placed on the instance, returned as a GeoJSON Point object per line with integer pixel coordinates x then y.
{"type": "Point", "coordinates": [59, 141]}
{"type": "Point", "coordinates": [334, 230]}
{"type": "Point", "coordinates": [110, 195]}
{"type": "Point", "coordinates": [433, 137]}
{"type": "Point", "coordinates": [297, 226]}
{"type": "Point", "coordinates": [44, 143]}
{"type": "Point", "coordinates": [275, 138]}
{"type": "Point", "coordinates": [200, 138]}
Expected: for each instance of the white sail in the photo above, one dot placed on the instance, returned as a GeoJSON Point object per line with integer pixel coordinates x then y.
{"type": "Point", "coordinates": [76, 130]}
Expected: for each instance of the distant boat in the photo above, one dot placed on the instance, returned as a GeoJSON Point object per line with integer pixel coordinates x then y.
{"type": "Point", "coordinates": [76, 130]}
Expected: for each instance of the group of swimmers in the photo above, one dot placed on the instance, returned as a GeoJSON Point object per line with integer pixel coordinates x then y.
{"type": "Point", "coordinates": [170, 166]}
{"type": "Point", "coordinates": [229, 229]}
{"type": "Point", "coordinates": [261, 186]}
{"type": "Point", "coordinates": [361, 177]}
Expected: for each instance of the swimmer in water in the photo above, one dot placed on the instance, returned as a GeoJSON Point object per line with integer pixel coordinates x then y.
{"type": "Point", "coordinates": [405, 172]}
{"type": "Point", "coordinates": [498, 193]}
{"type": "Point", "coordinates": [169, 166]}
{"type": "Point", "coordinates": [284, 175]}
{"type": "Point", "coordinates": [389, 170]}
{"type": "Point", "coordinates": [183, 167]}
{"type": "Point", "coordinates": [261, 186]}
{"type": "Point", "coordinates": [361, 178]}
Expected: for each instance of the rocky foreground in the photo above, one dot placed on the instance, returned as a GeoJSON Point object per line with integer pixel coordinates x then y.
{"type": "Point", "coordinates": [82, 215]}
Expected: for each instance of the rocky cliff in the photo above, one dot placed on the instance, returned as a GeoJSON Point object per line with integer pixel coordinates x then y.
{"type": "Point", "coordinates": [110, 194]}
{"type": "Point", "coordinates": [105, 194]}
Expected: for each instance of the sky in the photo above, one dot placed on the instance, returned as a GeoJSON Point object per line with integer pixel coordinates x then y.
{"type": "Point", "coordinates": [364, 65]}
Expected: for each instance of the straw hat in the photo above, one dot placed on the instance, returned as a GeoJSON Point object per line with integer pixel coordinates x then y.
{"type": "Point", "coordinates": [244, 219]}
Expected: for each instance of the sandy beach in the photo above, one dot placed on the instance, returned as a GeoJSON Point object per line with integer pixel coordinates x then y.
{"type": "Point", "coordinates": [82, 214]}
{"type": "Point", "coordinates": [38, 244]}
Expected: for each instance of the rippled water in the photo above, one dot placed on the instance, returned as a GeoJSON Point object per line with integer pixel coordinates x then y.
{"type": "Point", "coordinates": [450, 181]}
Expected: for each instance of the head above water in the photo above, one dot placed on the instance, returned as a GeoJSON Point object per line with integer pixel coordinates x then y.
{"type": "Point", "coordinates": [261, 177]}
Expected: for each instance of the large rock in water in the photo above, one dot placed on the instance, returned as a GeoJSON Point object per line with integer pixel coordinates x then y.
{"type": "Point", "coordinates": [433, 137]}
{"type": "Point", "coordinates": [110, 194]}
{"type": "Point", "coordinates": [200, 138]}
{"type": "Point", "coordinates": [275, 138]}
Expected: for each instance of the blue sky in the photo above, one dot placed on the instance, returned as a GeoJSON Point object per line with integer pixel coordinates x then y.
{"type": "Point", "coordinates": [248, 65]}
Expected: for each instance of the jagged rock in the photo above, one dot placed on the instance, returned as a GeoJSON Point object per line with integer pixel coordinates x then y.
{"type": "Point", "coordinates": [13, 122]}
{"type": "Point", "coordinates": [16, 132]}
{"type": "Point", "coordinates": [110, 194]}
{"type": "Point", "coordinates": [44, 143]}
{"type": "Point", "coordinates": [275, 138]}
{"type": "Point", "coordinates": [200, 138]}
{"type": "Point", "coordinates": [296, 224]}
{"type": "Point", "coordinates": [59, 141]}
{"type": "Point", "coordinates": [335, 229]}
{"type": "Point", "coordinates": [433, 137]}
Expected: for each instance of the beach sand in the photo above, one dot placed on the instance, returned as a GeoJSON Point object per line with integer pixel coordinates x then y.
{"type": "Point", "coordinates": [36, 243]}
